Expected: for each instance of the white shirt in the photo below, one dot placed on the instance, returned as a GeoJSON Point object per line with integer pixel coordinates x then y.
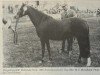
{"type": "Point", "coordinates": [67, 14]}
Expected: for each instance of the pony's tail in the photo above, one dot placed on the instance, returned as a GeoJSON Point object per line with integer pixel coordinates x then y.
{"type": "Point", "coordinates": [83, 41]}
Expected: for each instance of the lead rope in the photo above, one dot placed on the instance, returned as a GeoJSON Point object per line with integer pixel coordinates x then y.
{"type": "Point", "coordinates": [15, 39]}
{"type": "Point", "coordinates": [15, 32]}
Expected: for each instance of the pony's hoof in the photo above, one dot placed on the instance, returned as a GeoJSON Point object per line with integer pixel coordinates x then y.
{"type": "Point", "coordinates": [88, 62]}
{"type": "Point", "coordinates": [76, 62]}
{"type": "Point", "coordinates": [49, 61]}
{"type": "Point", "coordinates": [40, 62]}
{"type": "Point", "coordinates": [17, 44]}
{"type": "Point", "coordinates": [69, 53]}
{"type": "Point", "coordinates": [88, 65]}
{"type": "Point", "coordinates": [60, 51]}
{"type": "Point", "coordinates": [79, 61]}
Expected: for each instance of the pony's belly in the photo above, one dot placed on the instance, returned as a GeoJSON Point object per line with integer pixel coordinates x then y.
{"type": "Point", "coordinates": [57, 37]}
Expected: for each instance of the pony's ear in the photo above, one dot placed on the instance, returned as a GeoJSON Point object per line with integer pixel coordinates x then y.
{"type": "Point", "coordinates": [25, 3]}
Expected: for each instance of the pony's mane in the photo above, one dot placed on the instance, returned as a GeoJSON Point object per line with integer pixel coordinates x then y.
{"type": "Point", "coordinates": [40, 13]}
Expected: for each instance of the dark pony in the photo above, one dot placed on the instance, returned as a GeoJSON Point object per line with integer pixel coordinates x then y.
{"type": "Point", "coordinates": [48, 28]}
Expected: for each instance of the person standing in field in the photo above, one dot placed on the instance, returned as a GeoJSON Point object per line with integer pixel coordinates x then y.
{"type": "Point", "coordinates": [67, 13]}
{"type": "Point", "coordinates": [98, 12]}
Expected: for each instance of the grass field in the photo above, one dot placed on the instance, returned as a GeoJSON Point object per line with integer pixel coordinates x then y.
{"type": "Point", "coordinates": [28, 51]}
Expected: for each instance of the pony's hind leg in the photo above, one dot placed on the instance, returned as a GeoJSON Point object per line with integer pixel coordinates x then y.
{"type": "Point", "coordinates": [79, 59]}
{"type": "Point", "coordinates": [63, 47]}
{"type": "Point", "coordinates": [84, 47]}
{"type": "Point", "coordinates": [69, 47]}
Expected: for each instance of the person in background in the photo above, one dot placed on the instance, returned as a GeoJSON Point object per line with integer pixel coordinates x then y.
{"type": "Point", "coordinates": [67, 13]}
{"type": "Point", "coordinates": [98, 12]}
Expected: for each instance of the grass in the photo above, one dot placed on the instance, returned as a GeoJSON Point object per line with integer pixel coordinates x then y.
{"type": "Point", "coordinates": [28, 51]}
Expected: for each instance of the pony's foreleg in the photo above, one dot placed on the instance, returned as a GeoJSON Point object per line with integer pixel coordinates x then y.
{"type": "Point", "coordinates": [63, 47]}
{"type": "Point", "coordinates": [79, 59]}
{"type": "Point", "coordinates": [43, 48]}
{"type": "Point", "coordinates": [48, 48]}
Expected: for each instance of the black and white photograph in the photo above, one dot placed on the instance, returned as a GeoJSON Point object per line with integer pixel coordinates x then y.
{"type": "Point", "coordinates": [51, 33]}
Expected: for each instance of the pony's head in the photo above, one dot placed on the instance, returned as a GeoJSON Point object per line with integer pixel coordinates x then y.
{"type": "Point", "coordinates": [22, 11]}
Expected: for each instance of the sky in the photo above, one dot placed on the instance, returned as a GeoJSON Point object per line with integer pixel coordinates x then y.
{"type": "Point", "coordinates": [91, 4]}
{"type": "Point", "coordinates": [81, 4]}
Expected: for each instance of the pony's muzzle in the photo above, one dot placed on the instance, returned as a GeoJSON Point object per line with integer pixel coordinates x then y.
{"type": "Point", "coordinates": [9, 27]}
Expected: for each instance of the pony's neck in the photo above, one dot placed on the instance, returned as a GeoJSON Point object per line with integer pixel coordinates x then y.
{"type": "Point", "coordinates": [36, 16]}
